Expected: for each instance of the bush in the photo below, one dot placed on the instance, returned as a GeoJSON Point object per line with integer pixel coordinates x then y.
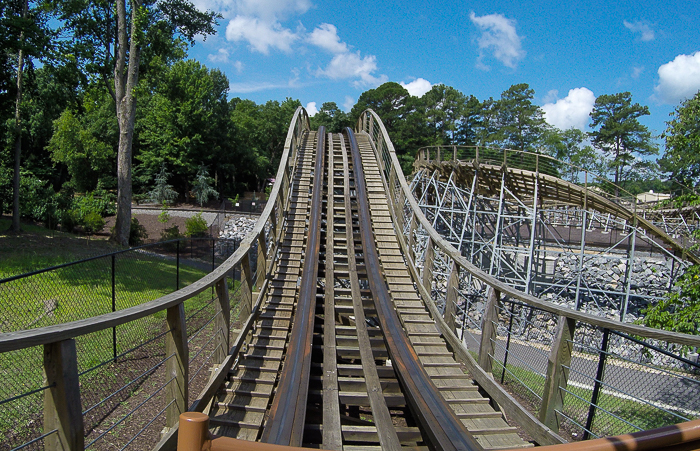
{"type": "Point", "coordinates": [170, 233]}
{"type": "Point", "coordinates": [196, 226]}
{"type": "Point", "coordinates": [137, 234]}
{"type": "Point", "coordinates": [93, 222]}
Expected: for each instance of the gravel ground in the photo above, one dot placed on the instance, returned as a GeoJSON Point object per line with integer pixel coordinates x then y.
{"type": "Point", "coordinates": [210, 217]}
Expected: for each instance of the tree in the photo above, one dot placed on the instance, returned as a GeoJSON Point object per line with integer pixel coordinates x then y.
{"type": "Point", "coordinates": [332, 117]}
{"type": "Point", "coordinates": [388, 101]}
{"type": "Point", "coordinates": [136, 21]}
{"type": "Point", "coordinates": [24, 31]}
{"type": "Point", "coordinates": [682, 135]}
{"type": "Point", "coordinates": [162, 192]}
{"type": "Point", "coordinates": [444, 109]}
{"type": "Point", "coordinates": [568, 146]}
{"type": "Point", "coordinates": [520, 122]}
{"type": "Point", "coordinates": [470, 122]}
{"type": "Point", "coordinates": [620, 133]}
{"type": "Point", "coordinates": [183, 122]}
{"type": "Point", "coordinates": [679, 311]}
{"type": "Point", "coordinates": [201, 189]}
{"type": "Point", "coordinates": [86, 157]}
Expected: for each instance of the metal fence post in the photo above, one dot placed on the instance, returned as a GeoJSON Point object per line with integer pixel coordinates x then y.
{"type": "Point", "coordinates": [557, 378]}
{"type": "Point", "coordinates": [510, 330]}
{"type": "Point", "coordinates": [114, 308]}
{"type": "Point", "coordinates": [246, 287]}
{"type": "Point", "coordinates": [177, 267]}
{"type": "Point", "coordinates": [62, 408]}
{"type": "Point", "coordinates": [596, 386]}
{"type": "Point", "coordinates": [488, 330]}
{"type": "Point", "coordinates": [177, 365]}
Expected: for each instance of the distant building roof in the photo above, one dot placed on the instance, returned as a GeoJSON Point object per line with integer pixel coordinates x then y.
{"type": "Point", "coordinates": [651, 196]}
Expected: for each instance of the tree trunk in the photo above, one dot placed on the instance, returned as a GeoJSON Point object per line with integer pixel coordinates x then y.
{"type": "Point", "coordinates": [125, 80]}
{"type": "Point", "coordinates": [18, 130]}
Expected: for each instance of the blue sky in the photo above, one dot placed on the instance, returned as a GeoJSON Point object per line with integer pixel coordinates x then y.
{"type": "Point", "coordinates": [568, 52]}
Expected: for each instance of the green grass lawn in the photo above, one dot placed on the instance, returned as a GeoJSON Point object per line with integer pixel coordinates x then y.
{"type": "Point", "coordinates": [612, 418]}
{"type": "Point", "coordinates": [77, 292]}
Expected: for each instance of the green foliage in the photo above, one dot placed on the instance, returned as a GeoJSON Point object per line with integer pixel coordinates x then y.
{"type": "Point", "coordinates": [201, 189]}
{"type": "Point", "coordinates": [164, 215]}
{"type": "Point", "coordinates": [332, 117]}
{"type": "Point", "coordinates": [196, 226]}
{"type": "Point", "coordinates": [137, 233]}
{"type": "Point", "coordinates": [85, 156]}
{"type": "Point", "coordinates": [162, 192]}
{"type": "Point", "coordinates": [682, 157]}
{"type": "Point", "coordinates": [170, 233]}
{"type": "Point", "coordinates": [680, 310]}
{"type": "Point", "coordinates": [520, 123]}
{"type": "Point", "coordinates": [617, 131]}
{"type": "Point", "coordinates": [93, 222]}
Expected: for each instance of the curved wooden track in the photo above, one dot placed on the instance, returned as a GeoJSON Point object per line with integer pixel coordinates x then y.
{"type": "Point", "coordinates": [551, 189]}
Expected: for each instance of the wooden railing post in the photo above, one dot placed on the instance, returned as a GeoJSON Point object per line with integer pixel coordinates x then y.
{"type": "Point", "coordinates": [411, 232]}
{"type": "Point", "coordinates": [428, 266]}
{"type": "Point", "coordinates": [246, 287]}
{"type": "Point", "coordinates": [177, 365]}
{"type": "Point", "coordinates": [488, 330]}
{"type": "Point", "coordinates": [451, 299]}
{"type": "Point", "coordinates": [557, 373]}
{"type": "Point", "coordinates": [223, 320]}
{"type": "Point", "coordinates": [261, 270]}
{"type": "Point", "coordinates": [62, 408]}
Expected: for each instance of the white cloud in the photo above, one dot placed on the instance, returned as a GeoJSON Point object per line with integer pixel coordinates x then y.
{"type": "Point", "coordinates": [271, 10]}
{"type": "Point", "coordinates": [268, 10]}
{"type": "Point", "coordinates": [572, 110]}
{"type": "Point", "coordinates": [642, 28]}
{"type": "Point", "coordinates": [220, 57]}
{"type": "Point", "coordinates": [637, 71]}
{"type": "Point", "coordinates": [551, 96]}
{"type": "Point", "coordinates": [348, 104]}
{"type": "Point", "coordinates": [498, 35]}
{"type": "Point", "coordinates": [238, 66]}
{"type": "Point", "coordinates": [679, 79]}
{"type": "Point", "coordinates": [255, 86]}
{"type": "Point", "coordinates": [311, 109]}
{"type": "Point", "coordinates": [352, 65]}
{"type": "Point", "coordinates": [326, 37]}
{"type": "Point", "coordinates": [259, 34]}
{"type": "Point", "coordinates": [417, 87]}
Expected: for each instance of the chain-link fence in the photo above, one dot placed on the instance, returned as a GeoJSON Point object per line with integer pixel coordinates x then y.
{"type": "Point", "coordinates": [121, 370]}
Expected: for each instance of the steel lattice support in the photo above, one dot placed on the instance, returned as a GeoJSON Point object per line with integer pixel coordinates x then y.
{"type": "Point", "coordinates": [591, 260]}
